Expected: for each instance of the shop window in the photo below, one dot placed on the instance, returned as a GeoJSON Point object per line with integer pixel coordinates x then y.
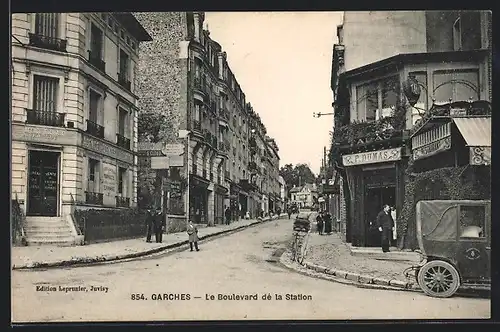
{"type": "Point", "coordinates": [122, 180]}
{"type": "Point", "coordinates": [93, 176]}
{"type": "Point", "coordinates": [456, 85]}
{"type": "Point", "coordinates": [472, 221]}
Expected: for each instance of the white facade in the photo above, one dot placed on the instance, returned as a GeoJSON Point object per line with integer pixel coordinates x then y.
{"type": "Point", "coordinates": [74, 115]}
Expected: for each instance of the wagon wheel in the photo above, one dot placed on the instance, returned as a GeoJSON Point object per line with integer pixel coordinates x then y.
{"type": "Point", "coordinates": [438, 279]}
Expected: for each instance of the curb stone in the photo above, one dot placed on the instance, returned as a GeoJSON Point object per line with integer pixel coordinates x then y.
{"type": "Point", "coordinates": [99, 259]}
{"type": "Point", "coordinates": [364, 281]}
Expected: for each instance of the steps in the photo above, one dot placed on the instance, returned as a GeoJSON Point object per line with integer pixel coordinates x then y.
{"type": "Point", "coordinates": [48, 231]}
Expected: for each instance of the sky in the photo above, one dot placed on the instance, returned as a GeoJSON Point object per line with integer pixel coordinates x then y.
{"type": "Point", "coordinates": [282, 61]}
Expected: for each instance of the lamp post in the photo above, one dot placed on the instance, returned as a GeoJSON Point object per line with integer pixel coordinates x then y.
{"type": "Point", "coordinates": [185, 134]}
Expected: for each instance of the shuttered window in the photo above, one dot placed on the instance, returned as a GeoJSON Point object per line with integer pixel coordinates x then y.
{"type": "Point", "coordinates": [122, 122]}
{"type": "Point", "coordinates": [45, 93]}
{"type": "Point", "coordinates": [124, 64]}
{"type": "Point", "coordinates": [47, 24]}
{"type": "Point", "coordinates": [95, 100]}
{"type": "Point", "coordinates": [96, 41]}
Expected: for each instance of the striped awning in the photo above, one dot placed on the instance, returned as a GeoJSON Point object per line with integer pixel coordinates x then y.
{"type": "Point", "coordinates": [475, 131]}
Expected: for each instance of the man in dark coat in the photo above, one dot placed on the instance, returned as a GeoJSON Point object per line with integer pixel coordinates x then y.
{"type": "Point", "coordinates": [385, 224]}
{"type": "Point", "coordinates": [227, 214]}
{"type": "Point", "coordinates": [319, 223]}
{"type": "Point", "coordinates": [150, 223]}
{"type": "Point", "coordinates": [158, 226]}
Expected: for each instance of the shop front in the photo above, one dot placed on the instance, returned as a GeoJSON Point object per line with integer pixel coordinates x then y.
{"type": "Point", "coordinates": [198, 199]}
{"type": "Point", "coordinates": [375, 179]}
{"type": "Point", "coordinates": [220, 194]}
{"type": "Point", "coordinates": [234, 197]}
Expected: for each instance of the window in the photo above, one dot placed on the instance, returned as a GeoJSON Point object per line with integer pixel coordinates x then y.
{"type": "Point", "coordinates": [456, 85]}
{"type": "Point", "coordinates": [45, 93]}
{"type": "Point", "coordinates": [93, 176]}
{"type": "Point", "coordinates": [124, 65]}
{"type": "Point", "coordinates": [467, 31]}
{"type": "Point", "coordinates": [197, 111]}
{"type": "Point", "coordinates": [122, 122]}
{"type": "Point", "coordinates": [472, 221]}
{"type": "Point", "coordinates": [122, 178]}
{"type": "Point", "coordinates": [94, 104]}
{"type": "Point", "coordinates": [377, 99]}
{"type": "Point", "coordinates": [96, 42]}
{"type": "Point", "coordinates": [47, 24]}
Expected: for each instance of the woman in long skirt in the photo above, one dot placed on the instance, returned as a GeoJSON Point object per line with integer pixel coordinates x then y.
{"type": "Point", "coordinates": [328, 223]}
{"type": "Point", "coordinates": [319, 223]}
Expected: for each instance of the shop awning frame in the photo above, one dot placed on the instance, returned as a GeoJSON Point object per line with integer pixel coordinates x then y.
{"type": "Point", "coordinates": [476, 131]}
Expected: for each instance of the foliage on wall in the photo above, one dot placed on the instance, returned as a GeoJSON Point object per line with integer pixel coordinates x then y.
{"type": "Point", "coordinates": [455, 183]}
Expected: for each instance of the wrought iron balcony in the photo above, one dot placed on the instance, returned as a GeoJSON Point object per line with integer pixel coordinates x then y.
{"type": "Point", "coordinates": [122, 201]}
{"type": "Point", "coordinates": [95, 129]}
{"type": "Point", "coordinates": [96, 61]}
{"type": "Point", "coordinates": [197, 125]}
{"type": "Point", "coordinates": [47, 42]}
{"type": "Point", "coordinates": [122, 141]}
{"type": "Point", "coordinates": [93, 198]}
{"type": "Point", "coordinates": [45, 118]}
{"type": "Point", "coordinates": [124, 82]}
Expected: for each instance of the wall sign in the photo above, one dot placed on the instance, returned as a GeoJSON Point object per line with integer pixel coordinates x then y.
{"type": "Point", "coordinates": [109, 180]}
{"type": "Point", "coordinates": [433, 148]}
{"type": "Point", "coordinates": [372, 157]}
{"type": "Point", "coordinates": [39, 134]}
{"type": "Point", "coordinates": [106, 149]}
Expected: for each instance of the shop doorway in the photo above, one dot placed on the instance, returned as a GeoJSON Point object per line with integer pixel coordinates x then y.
{"type": "Point", "coordinates": [43, 183]}
{"type": "Point", "coordinates": [375, 199]}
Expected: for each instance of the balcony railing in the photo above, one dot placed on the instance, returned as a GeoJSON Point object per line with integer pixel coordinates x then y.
{"type": "Point", "coordinates": [122, 201]}
{"type": "Point", "coordinates": [95, 129]}
{"type": "Point", "coordinates": [122, 141]}
{"type": "Point", "coordinates": [124, 82]}
{"type": "Point", "coordinates": [93, 198]}
{"type": "Point", "coordinates": [197, 125]}
{"type": "Point", "coordinates": [45, 118]}
{"type": "Point", "coordinates": [47, 42]}
{"type": "Point", "coordinates": [96, 61]}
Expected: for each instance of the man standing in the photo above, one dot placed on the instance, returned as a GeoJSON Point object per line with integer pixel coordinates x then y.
{"type": "Point", "coordinates": [158, 225]}
{"type": "Point", "coordinates": [227, 214]}
{"type": "Point", "coordinates": [150, 220]}
{"type": "Point", "coordinates": [385, 225]}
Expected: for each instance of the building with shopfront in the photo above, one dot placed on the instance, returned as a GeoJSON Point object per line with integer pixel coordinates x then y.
{"type": "Point", "coordinates": [378, 103]}
{"type": "Point", "coordinates": [305, 196]}
{"type": "Point", "coordinates": [74, 117]}
{"type": "Point", "coordinates": [205, 99]}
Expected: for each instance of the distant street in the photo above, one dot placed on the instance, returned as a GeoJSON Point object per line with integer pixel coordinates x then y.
{"type": "Point", "coordinates": [234, 264]}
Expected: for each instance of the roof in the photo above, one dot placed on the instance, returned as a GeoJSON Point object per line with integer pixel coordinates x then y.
{"type": "Point", "coordinates": [397, 60]}
{"type": "Point", "coordinates": [475, 131]}
{"type": "Point", "coordinates": [309, 186]}
{"type": "Point", "coordinates": [133, 26]}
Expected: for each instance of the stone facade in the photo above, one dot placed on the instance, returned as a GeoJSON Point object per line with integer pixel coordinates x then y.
{"type": "Point", "coordinates": [75, 108]}
{"type": "Point", "coordinates": [185, 76]}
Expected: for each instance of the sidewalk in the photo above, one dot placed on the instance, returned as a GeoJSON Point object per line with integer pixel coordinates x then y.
{"type": "Point", "coordinates": [52, 256]}
{"type": "Point", "coordinates": [330, 256]}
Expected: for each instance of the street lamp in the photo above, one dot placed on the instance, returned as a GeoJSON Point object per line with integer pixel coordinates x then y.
{"type": "Point", "coordinates": [318, 115]}
{"type": "Point", "coordinates": [185, 134]}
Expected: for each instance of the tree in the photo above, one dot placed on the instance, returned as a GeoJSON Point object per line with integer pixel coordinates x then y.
{"type": "Point", "coordinates": [296, 176]}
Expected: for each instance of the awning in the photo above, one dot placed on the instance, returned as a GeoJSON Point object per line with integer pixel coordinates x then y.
{"type": "Point", "coordinates": [475, 131]}
{"type": "Point", "coordinates": [477, 135]}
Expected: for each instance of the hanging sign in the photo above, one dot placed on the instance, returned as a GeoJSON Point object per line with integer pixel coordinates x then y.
{"type": "Point", "coordinates": [411, 90]}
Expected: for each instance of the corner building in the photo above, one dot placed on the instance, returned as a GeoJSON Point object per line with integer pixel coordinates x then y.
{"type": "Point", "coordinates": [74, 117]}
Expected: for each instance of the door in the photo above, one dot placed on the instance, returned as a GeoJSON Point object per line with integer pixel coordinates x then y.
{"type": "Point", "coordinates": [43, 183]}
{"type": "Point", "coordinates": [473, 256]}
{"type": "Point", "coordinates": [372, 208]}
